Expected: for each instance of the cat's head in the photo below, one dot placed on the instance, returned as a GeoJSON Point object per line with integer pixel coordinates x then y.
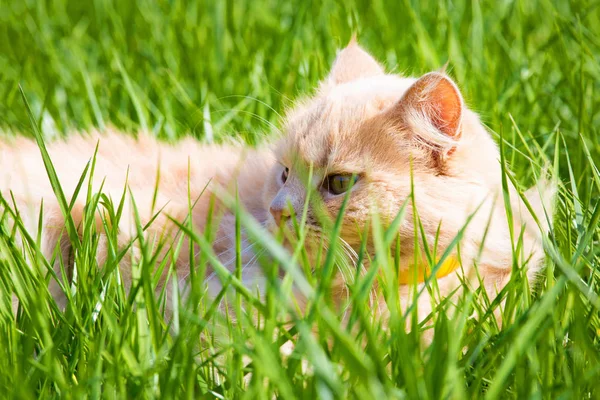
{"type": "Point", "coordinates": [374, 133]}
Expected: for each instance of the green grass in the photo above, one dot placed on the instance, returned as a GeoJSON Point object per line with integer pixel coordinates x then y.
{"type": "Point", "coordinates": [229, 68]}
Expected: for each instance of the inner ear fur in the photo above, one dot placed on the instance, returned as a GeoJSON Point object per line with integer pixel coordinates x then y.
{"type": "Point", "coordinates": [432, 109]}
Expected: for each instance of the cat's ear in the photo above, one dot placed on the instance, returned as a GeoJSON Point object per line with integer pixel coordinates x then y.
{"type": "Point", "coordinates": [353, 63]}
{"type": "Point", "coordinates": [432, 108]}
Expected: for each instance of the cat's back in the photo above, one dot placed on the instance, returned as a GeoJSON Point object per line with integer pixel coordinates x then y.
{"type": "Point", "coordinates": [142, 163]}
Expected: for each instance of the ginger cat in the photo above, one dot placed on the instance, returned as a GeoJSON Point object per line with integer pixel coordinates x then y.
{"type": "Point", "coordinates": [363, 130]}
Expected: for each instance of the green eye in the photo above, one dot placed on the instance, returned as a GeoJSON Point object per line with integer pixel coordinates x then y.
{"type": "Point", "coordinates": [338, 184]}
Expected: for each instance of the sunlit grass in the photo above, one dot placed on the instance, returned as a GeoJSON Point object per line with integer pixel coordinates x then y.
{"type": "Point", "coordinates": [223, 70]}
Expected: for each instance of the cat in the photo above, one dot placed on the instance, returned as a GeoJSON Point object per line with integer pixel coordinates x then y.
{"type": "Point", "coordinates": [377, 135]}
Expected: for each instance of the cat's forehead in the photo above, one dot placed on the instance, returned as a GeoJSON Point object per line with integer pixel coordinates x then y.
{"type": "Point", "coordinates": [327, 125]}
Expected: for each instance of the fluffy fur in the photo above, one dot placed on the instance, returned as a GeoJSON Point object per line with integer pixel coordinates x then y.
{"type": "Point", "coordinates": [387, 130]}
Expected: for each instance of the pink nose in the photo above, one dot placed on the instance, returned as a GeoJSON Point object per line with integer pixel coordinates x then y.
{"type": "Point", "coordinates": [280, 214]}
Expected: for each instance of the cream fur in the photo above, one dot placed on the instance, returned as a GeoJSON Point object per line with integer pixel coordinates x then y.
{"type": "Point", "coordinates": [361, 121]}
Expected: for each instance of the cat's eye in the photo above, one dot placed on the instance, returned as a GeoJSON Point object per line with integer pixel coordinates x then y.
{"type": "Point", "coordinates": [338, 184]}
{"type": "Point", "coordinates": [284, 174]}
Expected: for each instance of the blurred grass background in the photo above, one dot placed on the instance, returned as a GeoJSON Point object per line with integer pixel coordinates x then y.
{"type": "Point", "coordinates": [168, 65]}
{"type": "Point", "coordinates": [228, 69]}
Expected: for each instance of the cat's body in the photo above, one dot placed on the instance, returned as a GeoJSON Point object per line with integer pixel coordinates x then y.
{"type": "Point", "coordinates": [134, 168]}
{"type": "Point", "coordinates": [391, 133]}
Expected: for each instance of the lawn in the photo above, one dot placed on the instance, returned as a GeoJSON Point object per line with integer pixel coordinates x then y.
{"type": "Point", "coordinates": [218, 70]}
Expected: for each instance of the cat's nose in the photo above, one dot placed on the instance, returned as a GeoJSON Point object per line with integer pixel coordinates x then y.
{"type": "Point", "coordinates": [280, 214]}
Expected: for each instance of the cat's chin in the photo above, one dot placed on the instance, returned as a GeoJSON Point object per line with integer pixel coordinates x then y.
{"type": "Point", "coordinates": [288, 237]}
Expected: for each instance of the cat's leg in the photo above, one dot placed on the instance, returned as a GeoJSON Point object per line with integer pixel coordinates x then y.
{"type": "Point", "coordinates": [44, 220]}
{"type": "Point", "coordinates": [28, 217]}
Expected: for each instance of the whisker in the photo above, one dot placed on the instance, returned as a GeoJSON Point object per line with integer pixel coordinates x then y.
{"type": "Point", "coordinates": [221, 254]}
{"type": "Point", "coordinates": [253, 260]}
{"type": "Point", "coordinates": [255, 257]}
{"type": "Point", "coordinates": [255, 99]}
{"type": "Point", "coordinates": [230, 261]}
{"type": "Point", "coordinates": [253, 115]}
{"type": "Point", "coordinates": [349, 253]}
